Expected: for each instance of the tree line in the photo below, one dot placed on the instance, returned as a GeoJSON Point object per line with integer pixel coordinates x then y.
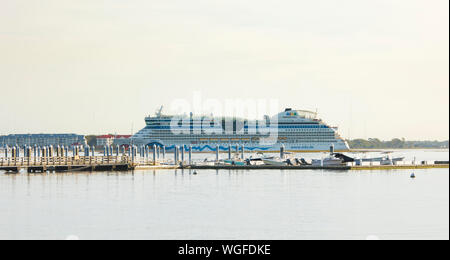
{"type": "Point", "coordinates": [395, 143]}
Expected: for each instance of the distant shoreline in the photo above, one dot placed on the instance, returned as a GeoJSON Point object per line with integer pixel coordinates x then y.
{"type": "Point", "coordinates": [396, 143]}
{"type": "Point", "coordinates": [384, 149]}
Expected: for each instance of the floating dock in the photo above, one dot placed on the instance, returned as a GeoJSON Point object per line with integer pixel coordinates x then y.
{"type": "Point", "coordinates": [265, 167]}
{"type": "Point", "coordinates": [125, 163]}
{"type": "Point", "coordinates": [310, 167]}
{"type": "Point", "coordinates": [400, 167]}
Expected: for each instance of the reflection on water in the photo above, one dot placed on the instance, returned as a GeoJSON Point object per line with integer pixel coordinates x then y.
{"type": "Point", "coordinates": [170, 204]}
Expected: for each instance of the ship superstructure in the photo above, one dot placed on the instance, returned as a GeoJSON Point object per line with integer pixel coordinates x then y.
{"type": "Point", "coordinates": [296, 130]}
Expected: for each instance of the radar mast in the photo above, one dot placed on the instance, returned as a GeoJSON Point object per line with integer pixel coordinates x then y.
{"type": "Point", "coordinates": [159, 111]}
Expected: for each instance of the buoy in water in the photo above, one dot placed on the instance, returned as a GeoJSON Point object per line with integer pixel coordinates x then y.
{"type": "Point", "coordinates": [413, 176]}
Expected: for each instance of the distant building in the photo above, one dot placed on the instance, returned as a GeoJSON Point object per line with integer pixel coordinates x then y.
{"type": "Point", "coordinates": [105, 140]}
{"type": "Point", "coordinates": [108, 140]}
{"type": "Point", "coordinates": [42, 140]}
{"type": "Point", "coordinates": [122, 140]}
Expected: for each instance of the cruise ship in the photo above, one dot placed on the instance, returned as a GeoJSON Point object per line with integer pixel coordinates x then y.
{"type": "Point", "coordinates": [295, 130]}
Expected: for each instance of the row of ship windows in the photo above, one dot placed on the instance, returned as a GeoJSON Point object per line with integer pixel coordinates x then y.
{"type": "Point", "coordinates": [245, 127]}
{"type": "Point", "coordinates": [281, 142]}
{"type": "Point", "coordinates": [242, 132]}
{"type": "Point", "coordinates": [281, 139]}
{"type": "Point", "coordinates": [220, 121]}
{"type": "Point", "coordinates": [331, 135]}
{"type": "Point", "coordinates": [220, 131]}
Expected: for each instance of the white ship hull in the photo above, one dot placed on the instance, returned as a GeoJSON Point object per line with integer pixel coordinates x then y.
{"type": "Point", "coordinates": [296, 130]}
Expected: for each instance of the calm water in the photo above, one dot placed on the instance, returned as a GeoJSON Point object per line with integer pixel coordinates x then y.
{"type": "Point", "coordinates": [229, 204]}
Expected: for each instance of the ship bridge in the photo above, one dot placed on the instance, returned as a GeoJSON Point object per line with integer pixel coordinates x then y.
{"type": "Point", "coordinates": [297, 115]}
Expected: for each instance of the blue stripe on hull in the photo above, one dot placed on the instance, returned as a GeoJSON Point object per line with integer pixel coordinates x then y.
{"type": "Point", "coordinates": [213, 149]}
{"type": "Point", "coordinates": [208, 148]}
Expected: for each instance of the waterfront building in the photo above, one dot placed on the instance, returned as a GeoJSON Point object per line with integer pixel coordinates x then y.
{"type": "Point", "coordinates": [42, 140]}
{"type": "Point", "coordinates": [108, 140]}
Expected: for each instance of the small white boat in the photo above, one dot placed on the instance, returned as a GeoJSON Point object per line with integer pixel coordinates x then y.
{"type": "Point", "coordinates": [234, 162]}
{"type": "Point", "coordinates": [376, 159]}
{"type": "Point", "coordinates": [387, 159]}
{"type": "Point", "coordinates": [274, 162]}
{"type": "Point", "coordinates": [329, 161]}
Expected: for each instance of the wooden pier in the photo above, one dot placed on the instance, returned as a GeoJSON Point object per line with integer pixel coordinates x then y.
{"type": "Point", "coordinates": [64, 164]}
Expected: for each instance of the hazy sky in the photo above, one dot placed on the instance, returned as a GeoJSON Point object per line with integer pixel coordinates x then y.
{"type": "Point", "coordinates": [373, 68]}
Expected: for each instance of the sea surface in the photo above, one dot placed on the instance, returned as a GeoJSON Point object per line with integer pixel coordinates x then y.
{"type": "Point", "coordinates": [263, 204]}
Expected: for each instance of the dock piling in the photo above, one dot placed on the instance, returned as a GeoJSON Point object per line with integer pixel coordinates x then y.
{"type": "Point", "coordinates": [175, 153]}
{"type": "Point", "coordinates": [154, 154]}
{"type": "Point", "coordinates": [182, 154]}
{"type": "Point", "coordinates": [217, 153]}
{"type": "Point", "coordinates": [28, 152]}
{"type": "Point", "coordinates": [190, 154]}
{"type": "Point", "coordinates": [146, 153]}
